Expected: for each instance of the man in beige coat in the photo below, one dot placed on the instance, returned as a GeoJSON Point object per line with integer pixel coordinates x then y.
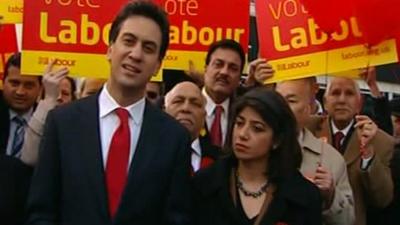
{"type": "Point", "coordinates": [366, 149]}
{"type": "Point", "coordinates": [322, 164]}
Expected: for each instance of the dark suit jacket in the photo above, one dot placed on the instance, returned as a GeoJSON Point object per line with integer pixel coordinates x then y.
{"type": "Point", "coordinates": [68, 186]}
{"type": "Point", "coordinates": [296, 201]}
{"type": "Point", "coordinates": [209, 150]}
{"type": "Point", "coordinates": [4, 125]}
{"type": "Point", "coordinates": [14, 185]}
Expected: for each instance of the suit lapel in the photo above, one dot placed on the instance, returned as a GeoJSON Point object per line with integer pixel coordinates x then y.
{"type": "Point", "coordinates": [325, 132]}
{"type": "Point", "coordinates": [145, 151]}
{"type": "Point", "coordinates": [352, 151]}
{"type": "Point", "coordinates": [91, 151]}
{"type": "Point", "coordinates": [4, 128]}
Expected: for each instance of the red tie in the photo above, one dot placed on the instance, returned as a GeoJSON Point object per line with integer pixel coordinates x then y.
{"type": "Point", "coordinates": [337, 139]}
{"type": "Point", "coordinates": [216, 132]}
{"type": "Point", "coordinates": [117, 162]}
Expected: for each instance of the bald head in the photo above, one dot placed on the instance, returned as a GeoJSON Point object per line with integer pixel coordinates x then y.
{"type": "Point", "coordinates": [186, 104]}
{"type": "Point", "coordinates": [342, 80]}
{"type": "Point", "coordinates": [90, 86]}
{"type": "Point", "coordinates": [299, 94]}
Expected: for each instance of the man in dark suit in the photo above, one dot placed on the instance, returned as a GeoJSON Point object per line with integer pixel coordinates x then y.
{"type": "Point", "coordinates": [14, 186]}
{"type": "Point", "coordinates": [186, 104]}
{"type": "Point", "coordinates": [224, 65]}
{"type": "Point", "coordinates": [17, 102]}
{"type": "Point", "coordinates": [113, 158]}
{"type": "Point", "coordinates": [222, 83]}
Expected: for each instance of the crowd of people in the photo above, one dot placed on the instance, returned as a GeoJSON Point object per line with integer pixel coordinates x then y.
{"type": "Point", "coordinates": [218, 149]}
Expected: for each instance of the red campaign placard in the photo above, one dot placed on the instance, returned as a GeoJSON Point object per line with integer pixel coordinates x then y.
{"type": "Point", "coordinates": [75, 32]}
{"type": "Point", "coordinates": [195, 24]}
{"type": "Point", "coordinates": [82, 26]}
{"type": "Point", "coordinates": [288, 30]}
{"type": "Point", "coordinates": [8, 45]}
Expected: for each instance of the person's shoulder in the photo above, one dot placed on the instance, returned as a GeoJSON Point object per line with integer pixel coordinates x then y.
{"type": "Point", "coordinates": [315, 123]}
{"type": "Point", "coordinates": [298, 179]}
{"type": "Point", "coordinates": [383, 137]}
{"type": "Point", "coordinates": [331, 155]}
{"type": "Point", "coordinates": [300, 190]}
{"type": "Point", "coordinates": [164, 121]}
{"type": "Point", "coordinates": [210, 179]}
{"type": "Point", "coordinates": [79, 104]}
{"type": "Point", "coordinates": [384, 143]}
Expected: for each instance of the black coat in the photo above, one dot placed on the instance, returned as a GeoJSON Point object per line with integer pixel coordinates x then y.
{"type": "Point", "coordinates": [296, 201]}
{"type": "Point", "coordinates": [4, 125]}
{"type": "Point", "coordinates": [14, 185]}
{"type": "Point", "coordinates": [68, 186]}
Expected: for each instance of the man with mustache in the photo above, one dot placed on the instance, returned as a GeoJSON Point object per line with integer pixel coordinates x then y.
{"type": "Point", "coordinates": [224, 64]}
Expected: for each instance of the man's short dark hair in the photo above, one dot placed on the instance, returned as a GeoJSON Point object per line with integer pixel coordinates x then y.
{"type": "Point", "coordinates": [227, 44]}
{"type": "Point", "coordinates": [146, 9]}
{"type": "Point", "coordinates": [15, 61]}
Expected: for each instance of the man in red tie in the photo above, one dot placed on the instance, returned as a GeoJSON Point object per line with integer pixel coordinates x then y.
{"type": "Point", "coordinates": [224, 65]}
{"type": "Point", "coordinates": [366, 149]}
{"type": "Point", "coordinates": [186, 104]}
{"type": "Point", "coordinates": [113, 158]}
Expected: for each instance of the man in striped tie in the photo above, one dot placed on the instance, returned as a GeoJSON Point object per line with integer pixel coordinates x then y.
{"type": "Point", "coordinates": [19, 97]}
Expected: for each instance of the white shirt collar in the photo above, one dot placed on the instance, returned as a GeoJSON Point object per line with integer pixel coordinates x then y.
{"type": "Point", "coordinates": [196, 146]}
{"type": "Point", "coordinates": [107, 104]}
{"type": "Point", "coordinates": [345, 131]}
{"type": "Point", "coordinates": [210, 106]}
{"type": "Point", "coordinates": [27, 116]}
{"type": "Point", "coordinates": [300, 138]}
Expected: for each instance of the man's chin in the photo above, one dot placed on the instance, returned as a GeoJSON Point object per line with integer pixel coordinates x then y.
{"type": "Point", "coordinates": [19, 108]}
{"type": "Point", "coordinates": [343, 119]}
{"type": "Point", "coordinates": [222, 91]}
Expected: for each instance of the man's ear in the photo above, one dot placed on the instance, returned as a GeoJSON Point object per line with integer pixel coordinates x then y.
{"type": "Point", "coordinates": [324, 101]}
{"type": "Point", "coordinates": [158, 67]}
{"type": "Point", "coordinates": [361, 103]}
{"type": "Point", "coordinates": [109, 52]}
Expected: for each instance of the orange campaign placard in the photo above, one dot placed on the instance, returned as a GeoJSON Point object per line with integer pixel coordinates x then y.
{"type": "Point", "coordinates": [296, 47]}
{"type": "Point", "coordinates": [8, 46]}
{"type": "Point", "coordinates": [11, 11]}
{"type": "Point", "coordinates": [75, 33]}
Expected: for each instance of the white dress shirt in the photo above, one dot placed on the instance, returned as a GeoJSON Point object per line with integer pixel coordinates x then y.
{"type": "Point", "coordinates": [344, 131]}
{"type": "Point", "coordinates": [109, 122]}
{"type": "Point", "coordinates": [210, 108]}
{"type": "Point", "coordinates": [196, 155]}
{"type": "Point", "coordinates": [13, 126]}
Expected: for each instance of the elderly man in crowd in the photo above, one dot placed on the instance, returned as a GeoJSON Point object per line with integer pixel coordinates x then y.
{"type": "Point", "coordinates": [186, 104]}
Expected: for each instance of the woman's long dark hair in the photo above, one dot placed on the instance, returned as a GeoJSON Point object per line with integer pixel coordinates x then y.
{"type": "Point", "coordinates": [286, 157]}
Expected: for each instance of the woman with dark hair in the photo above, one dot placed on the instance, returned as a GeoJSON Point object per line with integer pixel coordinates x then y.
{"type": "Point", "coordinates": [259, 183]}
